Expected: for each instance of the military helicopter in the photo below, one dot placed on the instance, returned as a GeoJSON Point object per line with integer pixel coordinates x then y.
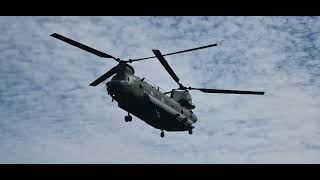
{"type": "Point", "coordinates": [147, 101]}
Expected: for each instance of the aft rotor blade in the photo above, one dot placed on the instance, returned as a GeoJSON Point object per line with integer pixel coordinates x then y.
{"type": "Point", "coordinates": [228, 91]}
{"type": "Point", "coordinates": [166, 65]}
{"type": "Point", "coordinates": [104, 77]}
{"type": "Point", "coordinates": [82, 46]}
{"type": "Point", "coordinates": [193, 49]}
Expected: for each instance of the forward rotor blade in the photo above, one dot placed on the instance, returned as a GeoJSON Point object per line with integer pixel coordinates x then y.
{"type": "Point", "coordinates": [104, 77]}
{"type": "Point", "coordinates": [82, 46]}
{"type": "Point", "coordinates": [228, 91]}
{"type": "Point", "coordinates": [166, 65]}
{"type": "Point", "coordinates": [193, 49]}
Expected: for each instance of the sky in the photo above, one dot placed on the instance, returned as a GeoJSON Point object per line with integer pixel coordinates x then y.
{"type": "Point", "coordinates": [50, 114]}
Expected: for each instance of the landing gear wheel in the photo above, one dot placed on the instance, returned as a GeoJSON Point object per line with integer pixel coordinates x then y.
{"type": "Point", "coordinates": [162, 134]}
{"type": "Point", "coordinates": [190, 131]}
{"type": "Point", "coordinates": [128, 118]}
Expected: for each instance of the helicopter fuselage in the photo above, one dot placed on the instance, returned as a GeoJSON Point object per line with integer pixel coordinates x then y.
{"type": "Point", "coordinates": [147, 102]}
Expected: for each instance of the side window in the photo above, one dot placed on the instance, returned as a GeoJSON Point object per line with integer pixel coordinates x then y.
{"type": "Point", "coordinates": [129, 80]}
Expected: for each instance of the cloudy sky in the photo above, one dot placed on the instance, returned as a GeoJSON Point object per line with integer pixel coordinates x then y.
{"type": "Point", "coordinates": [50, 114]}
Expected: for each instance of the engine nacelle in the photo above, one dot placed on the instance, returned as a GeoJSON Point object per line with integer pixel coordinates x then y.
{"type": "Point", "coordinates": [183, 97]}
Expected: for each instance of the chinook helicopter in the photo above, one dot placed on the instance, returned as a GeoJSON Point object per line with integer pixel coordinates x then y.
{"type": "Point", "coordinates": [147, 101]}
